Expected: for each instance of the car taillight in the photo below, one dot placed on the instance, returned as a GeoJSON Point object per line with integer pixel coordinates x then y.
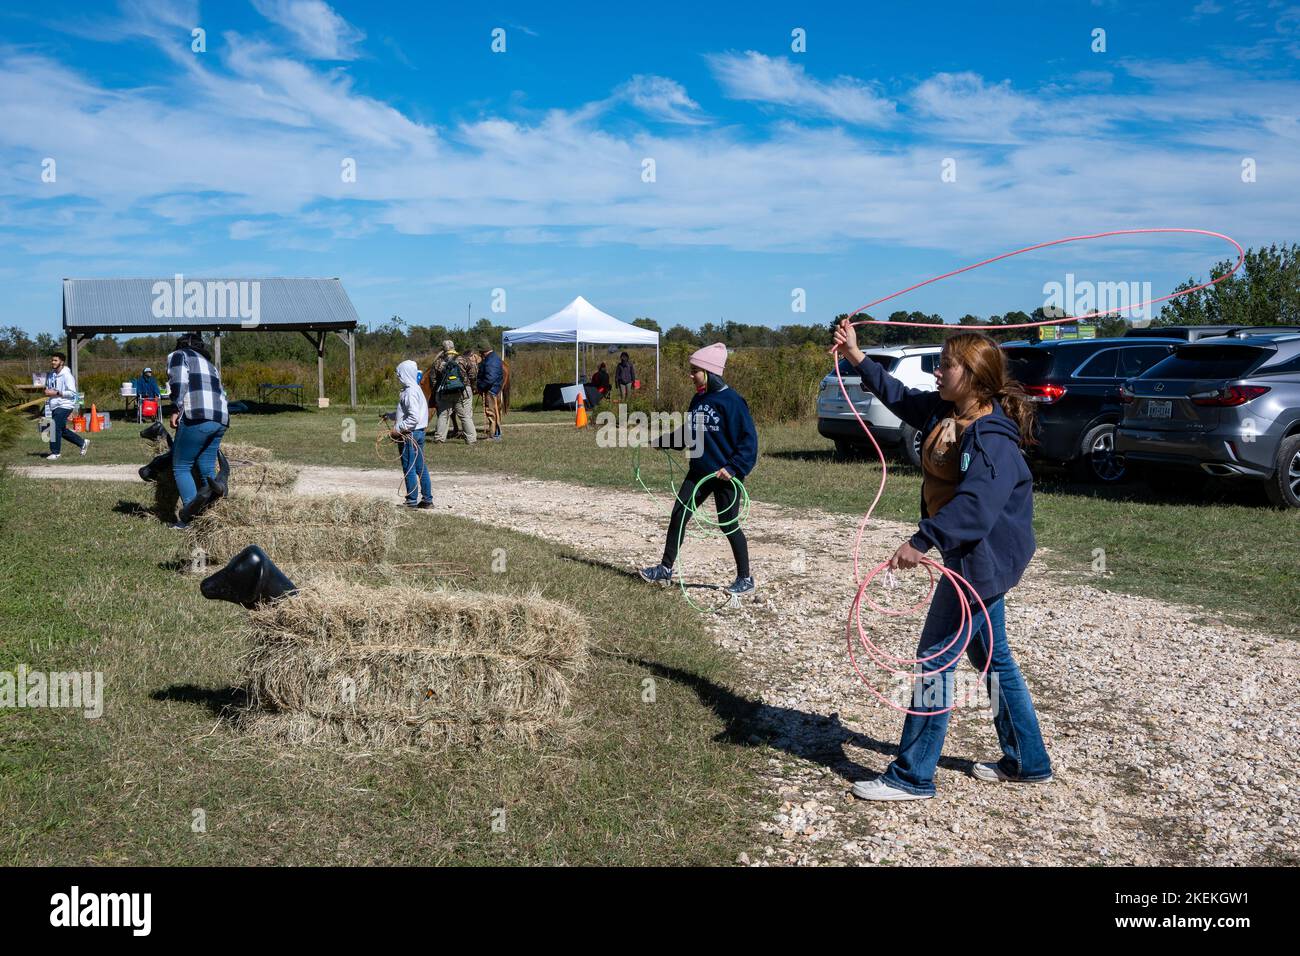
{"type": "Point", "coordinates": [1229, 397]}
{"type": "Point", "coordinates": [1046, 393]}
{"type": "Point", "coordinates": [1125, 395]}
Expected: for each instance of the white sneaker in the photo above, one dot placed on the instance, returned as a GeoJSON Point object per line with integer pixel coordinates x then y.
{"type": "Point", "coordinates": [879, 790]}
{"type": "Point", "coordinates": [992, 773]}
{"type": "Point", "coordinates": [85, 446]}
{"type": "Point", "coordinates": [53, 457]}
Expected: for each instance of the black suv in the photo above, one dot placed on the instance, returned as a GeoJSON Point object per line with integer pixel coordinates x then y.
{"type": "Point", "coordinates": [1077, 385]}
{"type": "Point", "coordinates": [1194, 333]}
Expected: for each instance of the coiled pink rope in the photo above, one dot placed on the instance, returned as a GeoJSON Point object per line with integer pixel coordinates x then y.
{"type": "Point", "coordinates": [960, 585]}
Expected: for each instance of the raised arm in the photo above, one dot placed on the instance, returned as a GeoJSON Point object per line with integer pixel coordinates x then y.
{"type": "Point", "coordinates": [912, 405]}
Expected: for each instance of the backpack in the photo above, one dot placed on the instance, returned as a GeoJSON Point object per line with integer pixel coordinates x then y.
{"type": "Point", "coordinates": [452, 378]}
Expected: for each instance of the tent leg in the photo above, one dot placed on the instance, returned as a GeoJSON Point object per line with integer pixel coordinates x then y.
{"type": "Point", "coordinates": [575, 360]}
{"type": "Point", "coordinates": [656, 369]}
{"type": "Point", "coordinates": [216, 350]}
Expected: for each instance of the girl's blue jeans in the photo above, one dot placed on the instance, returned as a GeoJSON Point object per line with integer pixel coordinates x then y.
{"type": "Point", "coordinates": [414, 468]}
{"type": "Point", "coordinates": [195, 443]}
{"type": "Point", "coordinates": [1024, 755]}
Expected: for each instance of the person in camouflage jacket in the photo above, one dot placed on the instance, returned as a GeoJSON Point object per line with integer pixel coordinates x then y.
{"type": "Point", "coordinates": [458, 403]}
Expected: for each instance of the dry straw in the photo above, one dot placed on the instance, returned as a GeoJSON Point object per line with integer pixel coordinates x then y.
{"type": "Point", "coordinates": [259, 478]}
{"type": "Point", "coordinates": [399, 666]}
{"type": "Point", "coordinates": [303, 530]}
{"type": "Point", "coordinates": [238, 452]}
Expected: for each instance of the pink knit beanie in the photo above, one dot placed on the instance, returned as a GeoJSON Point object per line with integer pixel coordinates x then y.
{"type": "Point", "coordinates": [711, 358]}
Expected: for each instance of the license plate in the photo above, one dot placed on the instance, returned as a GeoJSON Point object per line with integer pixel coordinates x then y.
{"type": "Point", "coordinates": [1160, 409]}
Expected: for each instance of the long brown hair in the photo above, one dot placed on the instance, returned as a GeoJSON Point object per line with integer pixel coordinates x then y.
{"type": "Point", "coordinates": [990, 379]}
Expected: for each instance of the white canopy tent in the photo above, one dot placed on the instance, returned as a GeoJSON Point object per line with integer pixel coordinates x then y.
{"type": "Point", "coordinates": [582, 323]}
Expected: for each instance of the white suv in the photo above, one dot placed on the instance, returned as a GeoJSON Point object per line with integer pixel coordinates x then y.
{"type": "Point", "coordinates": [913, 365]}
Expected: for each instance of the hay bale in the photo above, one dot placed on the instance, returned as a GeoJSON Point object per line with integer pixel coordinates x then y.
{"type": "Point", "coordinates": [399, 666]}
{"type": "Point", "coordinates": [255, 480]}
{"type": "Point", "coordinates": [238, 452]}
{"type": "Point", "coordinates": [299, 530]}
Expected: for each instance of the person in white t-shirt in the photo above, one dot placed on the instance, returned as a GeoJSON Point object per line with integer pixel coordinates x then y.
{"type": "Point", "coordinates": [61, 390]}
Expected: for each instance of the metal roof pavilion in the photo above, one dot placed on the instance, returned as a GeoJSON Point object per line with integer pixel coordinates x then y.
{"type": "Point", "coordinates": [314, 307]}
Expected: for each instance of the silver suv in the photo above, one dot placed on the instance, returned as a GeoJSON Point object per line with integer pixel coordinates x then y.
{"type": "Point", "coordinates": [1226, 406]}
{"type": "Point", "coordinates": [913, 365]}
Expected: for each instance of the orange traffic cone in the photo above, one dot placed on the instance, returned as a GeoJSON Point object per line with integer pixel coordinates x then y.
{"type": "Point", "coordinates": [580, 420]}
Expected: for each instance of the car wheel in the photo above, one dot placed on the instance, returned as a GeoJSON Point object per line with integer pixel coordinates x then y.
{"type": "Point", "coordinates": [911, 444]}
{"type": "Point", "coordinates": [1284, 487]}
{"type": "Point", "coordinates": [1097, 461]}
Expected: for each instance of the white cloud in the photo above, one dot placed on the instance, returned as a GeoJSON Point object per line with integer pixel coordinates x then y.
{"type": "Point", "coordinates": [662, 99]}
{"type": "Point", "coordinates": [248, 147]}
{"type": "Point", "coordinates": [969, 109]}
{"type": "Point", "coordinates": [753, 76]}
{"type": "Point", "coordinates": [318, 31]}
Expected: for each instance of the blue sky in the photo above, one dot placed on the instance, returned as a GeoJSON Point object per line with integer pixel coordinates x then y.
{"type": "Point", "coordinates": [523, 170]}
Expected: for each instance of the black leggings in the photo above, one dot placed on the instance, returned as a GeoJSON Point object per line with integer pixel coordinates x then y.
{"type": "Point", "coordinates": [727, 500]}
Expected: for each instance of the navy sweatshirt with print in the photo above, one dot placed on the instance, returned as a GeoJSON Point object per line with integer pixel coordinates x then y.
{"type": "Point", "coordinates": [718, 433]}
{"type": "Point", "coordinates": [986, 532]}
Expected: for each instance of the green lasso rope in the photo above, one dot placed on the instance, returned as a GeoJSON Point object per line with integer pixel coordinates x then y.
{"type": "Point", "coordinates": [712, 526]}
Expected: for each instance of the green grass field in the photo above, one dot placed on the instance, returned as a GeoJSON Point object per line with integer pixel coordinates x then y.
{"type": "Point", "coordinates": [1228, 551]}
{"type": "Point", "coordinates": [90, 585]}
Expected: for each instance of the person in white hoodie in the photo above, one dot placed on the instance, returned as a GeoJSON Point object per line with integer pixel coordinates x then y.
{"type": "Point", "coordinates": [408, 429]}
{"type": "Point", "coordinates": [61, 389]}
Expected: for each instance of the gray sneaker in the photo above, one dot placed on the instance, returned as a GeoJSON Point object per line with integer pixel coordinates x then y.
{"type": "Point", "coordinates": [992, 773]}
{"type": "Point", "coordinates": [85, 446]}
{"type": "Point", "coordinates": [741, 586]}
{"type": "Point", "coordinates": [659, 574]}
{"type": "Point", "coordinates": [879, 790]}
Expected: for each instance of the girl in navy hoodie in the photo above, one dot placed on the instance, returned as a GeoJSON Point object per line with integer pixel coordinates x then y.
{"type": "Point", "coordinates": [977, 511]}
{"type": "Point", "coordinates": [722, 444]}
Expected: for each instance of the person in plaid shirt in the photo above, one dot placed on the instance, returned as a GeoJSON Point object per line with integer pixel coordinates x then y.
{"type": "Point", "coordinates": [200, 417]}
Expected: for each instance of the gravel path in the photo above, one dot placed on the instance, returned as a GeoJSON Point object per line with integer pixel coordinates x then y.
{"type": "Point", "coordinates": [1173, 736]}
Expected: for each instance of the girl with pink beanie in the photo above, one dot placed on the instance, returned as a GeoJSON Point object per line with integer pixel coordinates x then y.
{"type": "Point", "coordinates": [722, 444]}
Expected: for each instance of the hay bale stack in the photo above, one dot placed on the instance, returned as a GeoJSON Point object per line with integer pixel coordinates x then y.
{"type": "Point", "coordinates": [260, 478]}
{"type": "Point", "coordinates": [242, 453]}
{"type": "Point", "coordinates": [399, 666]}
{"type": "Point", "coordinates": [294, 530]}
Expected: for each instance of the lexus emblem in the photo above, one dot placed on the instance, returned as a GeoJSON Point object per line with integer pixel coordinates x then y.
{"type": "Point", "coordinates": [1160, 386]}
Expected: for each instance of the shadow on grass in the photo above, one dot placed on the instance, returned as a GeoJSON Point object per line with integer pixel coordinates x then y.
{"type": "Point", "coordinates": [269, 408]}
{"type": "Point", "coordinates": [813, 737]}
{"type": "Point", "coordinates": [220, 701]}
{"type": "Point", "coordinates": [133, 509]}
{"type": "Point", "coordinates": [635, 576]}
{"type": "Point", "coordinates": [1201, 490]}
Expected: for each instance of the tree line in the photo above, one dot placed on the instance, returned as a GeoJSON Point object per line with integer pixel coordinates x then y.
{"type": "Point", "coordinates": [1265, 291]}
